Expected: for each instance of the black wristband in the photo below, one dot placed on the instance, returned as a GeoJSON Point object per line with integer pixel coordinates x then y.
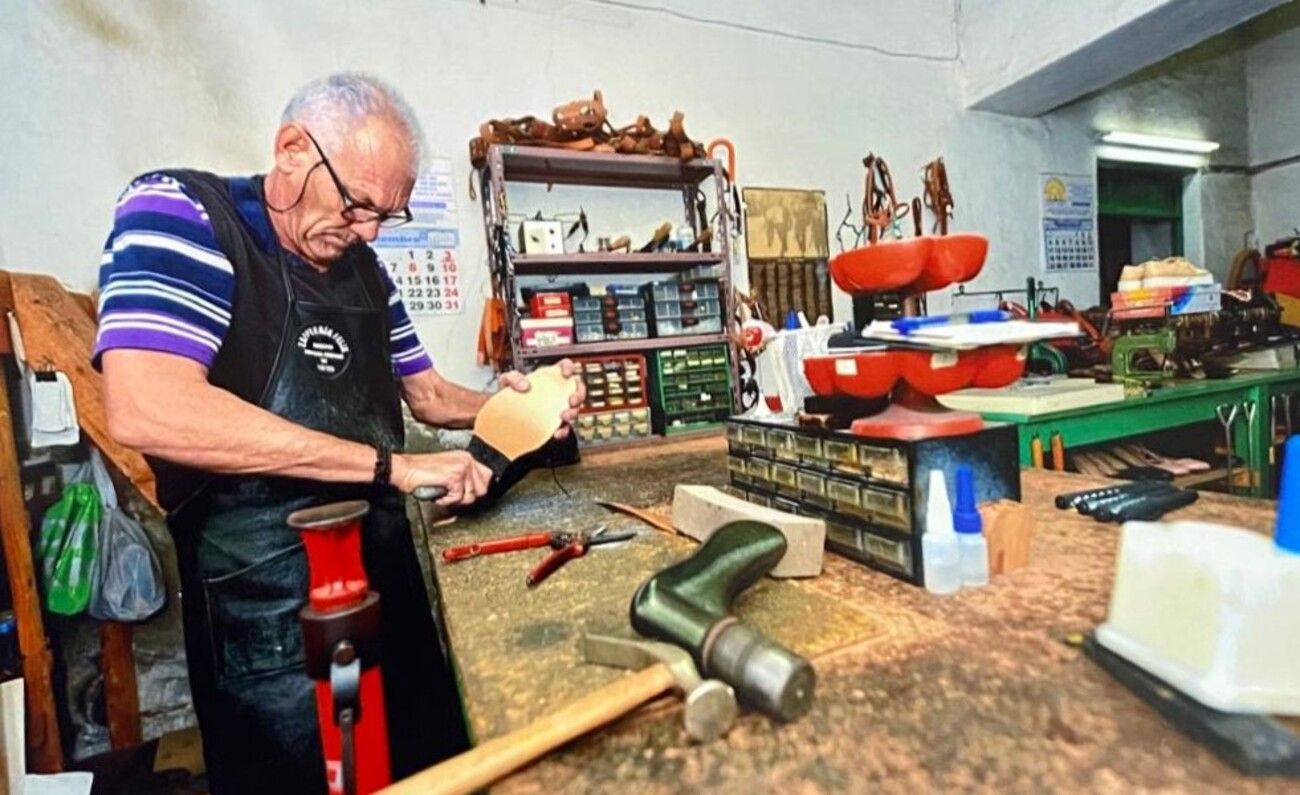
{"type": "Point", "coordinates": [383, 465]}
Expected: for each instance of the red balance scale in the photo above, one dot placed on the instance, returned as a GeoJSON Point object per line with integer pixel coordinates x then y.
{"type": "Point", "coordinates": [912, 377]}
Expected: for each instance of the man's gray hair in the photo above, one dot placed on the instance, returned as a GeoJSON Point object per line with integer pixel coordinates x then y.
{"type": "Point", "coordinates": [336, 105]}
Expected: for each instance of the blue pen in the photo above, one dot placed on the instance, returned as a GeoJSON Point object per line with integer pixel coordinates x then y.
{"type": "Point", "coordinates": [907, 325]}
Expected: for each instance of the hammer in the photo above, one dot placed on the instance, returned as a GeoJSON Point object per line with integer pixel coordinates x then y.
{"type": "Point", "coordinates": [710, 710]}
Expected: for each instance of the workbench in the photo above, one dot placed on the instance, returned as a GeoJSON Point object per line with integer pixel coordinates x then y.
{"type": "Point", "coordinates": [915, 692]}
{"type": "Point", "coordinates": [1173, 405]}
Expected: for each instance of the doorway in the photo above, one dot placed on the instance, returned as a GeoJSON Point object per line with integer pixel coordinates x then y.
{"type": "Point", "coordinates": [1139, 217]}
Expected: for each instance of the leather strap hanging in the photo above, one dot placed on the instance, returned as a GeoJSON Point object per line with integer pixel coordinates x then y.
{"type": "Point", "coordinates": [938, 198]}
{"type": "Point", "coordinates": [880, 205]}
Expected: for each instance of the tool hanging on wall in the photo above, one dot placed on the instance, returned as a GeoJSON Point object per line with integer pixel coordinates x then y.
{"type": "Point", "coordinates": [845, 224]}
{"type": "Point", "coordinates": [733, 208]}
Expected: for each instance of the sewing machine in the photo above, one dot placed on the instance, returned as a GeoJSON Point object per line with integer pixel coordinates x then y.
{"type": "Point", "coordinates": [1125, 350]}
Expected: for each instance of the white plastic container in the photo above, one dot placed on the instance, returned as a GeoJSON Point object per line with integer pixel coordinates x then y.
{"type": "Point", "coordinates": [939, 554]}
{"type": "Point", "coordinates": [1212, 610]}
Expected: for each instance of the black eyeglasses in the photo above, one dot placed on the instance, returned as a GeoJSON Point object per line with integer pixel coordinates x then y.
{"type": "Point", "coordinates": [360, 212]}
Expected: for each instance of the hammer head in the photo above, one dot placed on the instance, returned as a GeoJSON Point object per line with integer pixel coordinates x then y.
{"type": "Point", "coordinates": [710, 705]}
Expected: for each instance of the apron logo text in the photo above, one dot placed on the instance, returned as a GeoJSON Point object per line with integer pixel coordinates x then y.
{"type": "Point", "coordinates": [327, 348]}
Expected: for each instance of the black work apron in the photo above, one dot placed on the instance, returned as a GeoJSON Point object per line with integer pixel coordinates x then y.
{"type": "Point", "coordinates": [244, 574]}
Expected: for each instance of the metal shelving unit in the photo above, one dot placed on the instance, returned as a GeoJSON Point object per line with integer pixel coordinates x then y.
{"type": "Point", "coordinates": [618, 346]}
{"type": "Point", "coordinates": [599, 263]}
{"type": "Point", "coordinates": [506, 164]}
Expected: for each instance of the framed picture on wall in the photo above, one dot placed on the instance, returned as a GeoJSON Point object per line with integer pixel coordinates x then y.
{"type": "Point", "coordinates": [785, 224]}
{"type": "Point", "coordinates": [787, 245]}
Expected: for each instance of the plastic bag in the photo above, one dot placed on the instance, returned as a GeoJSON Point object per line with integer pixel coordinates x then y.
{"type": "Point", "coordinates": [68, 547]}
{"type": "Point", "coordinates": [128, 581]}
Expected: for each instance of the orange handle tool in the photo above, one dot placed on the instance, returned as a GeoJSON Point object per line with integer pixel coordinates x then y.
{"type": "Point", "coordinates": [512, 544]}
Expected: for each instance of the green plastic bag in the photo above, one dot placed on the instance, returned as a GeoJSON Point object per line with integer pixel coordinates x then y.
{"type": "Point", "coordinates": [68, 546]}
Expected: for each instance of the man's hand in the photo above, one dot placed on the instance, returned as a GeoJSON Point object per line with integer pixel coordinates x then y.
{"type": "Point", "coordinates": [456, 471]}
{"type": "Point", "coordinates": [514, 380]}
{"type": "Point", "coordinates": [568, 368]}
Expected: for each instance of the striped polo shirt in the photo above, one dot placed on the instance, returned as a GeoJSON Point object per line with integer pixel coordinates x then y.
{"type": "Point", "coordinates": [166, 286]}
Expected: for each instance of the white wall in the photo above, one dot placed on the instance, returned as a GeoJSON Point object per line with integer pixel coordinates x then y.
{"type": "Point", "coordinates": [109, 90]}
{"type": "Point", "coordinates": [1272, 76]}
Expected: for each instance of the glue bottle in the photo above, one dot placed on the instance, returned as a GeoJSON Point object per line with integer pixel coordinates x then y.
{"type": "Point", "coordinates": [939, 552]}
{"type": "Point", "coordinates": [1286, 534]}
{"type": "Point", "coordinates": [972, 545]}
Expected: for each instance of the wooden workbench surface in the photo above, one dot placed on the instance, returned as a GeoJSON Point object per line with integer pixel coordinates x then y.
{"type": "Point", "coordinates": [914, 693]}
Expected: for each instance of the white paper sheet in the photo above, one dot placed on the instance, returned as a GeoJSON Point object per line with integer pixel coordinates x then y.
{"type": "Point", "coordinates": [968, 336]}
{"type": "Point", "coordinates": [77, 783]}
{"type": "Point", "coordinates": [13, 738]}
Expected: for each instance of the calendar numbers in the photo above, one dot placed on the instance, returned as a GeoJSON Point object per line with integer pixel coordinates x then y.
{"type": "Point", "coordinates": [1069, 250]}
{"type": "Point", "coordinates": [427, 279]}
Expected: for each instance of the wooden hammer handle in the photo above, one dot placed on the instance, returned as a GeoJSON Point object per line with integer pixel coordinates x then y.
{"type": "Point", "coordinates": [503, 755]}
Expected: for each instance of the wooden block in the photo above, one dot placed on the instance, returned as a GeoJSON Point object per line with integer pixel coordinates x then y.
{"type": "Point", "coordinates": [698, 511]}
{"type": "Point", "coordinates": [1008, 529]}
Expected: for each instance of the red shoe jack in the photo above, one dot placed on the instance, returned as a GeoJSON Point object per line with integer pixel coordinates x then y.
{"type": "Point", "coordinates": [341, 642]}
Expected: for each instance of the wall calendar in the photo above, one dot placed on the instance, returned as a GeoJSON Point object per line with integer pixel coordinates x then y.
{"type": "Point", "coordinates": [1069, 222]}
{"type": "Point", "coordinates": [422, 257]}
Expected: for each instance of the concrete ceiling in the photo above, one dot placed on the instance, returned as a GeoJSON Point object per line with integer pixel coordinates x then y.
{"type": "Point", "coordinates": [1025, 59]}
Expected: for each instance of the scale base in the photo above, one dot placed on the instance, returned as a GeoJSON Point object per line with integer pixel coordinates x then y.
{"type": "Point", "coordinates": [915, 415]}
{"type": "Point", "coordinates": [1257, 745]}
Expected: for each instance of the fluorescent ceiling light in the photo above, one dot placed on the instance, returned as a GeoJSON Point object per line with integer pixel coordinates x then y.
{"type": "Point", "coordinates": [1160, 142]}
{"type": "Point", "coordinates": [1130, 154]}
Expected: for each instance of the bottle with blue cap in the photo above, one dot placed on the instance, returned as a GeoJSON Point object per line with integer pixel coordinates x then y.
{"type": "Point", "coordinates": [1286, 535]}
{"type": "Point", "coordinates": [971, 544]}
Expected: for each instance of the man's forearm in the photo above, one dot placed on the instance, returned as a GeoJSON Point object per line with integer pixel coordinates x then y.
{"type": "Point", "coordinates": [193, 423]}
{"type": "Point", "coordinates": [436, 401]}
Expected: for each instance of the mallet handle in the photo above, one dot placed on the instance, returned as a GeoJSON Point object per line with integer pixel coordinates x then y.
{"type": "Point", "coordinates": [503, 755]}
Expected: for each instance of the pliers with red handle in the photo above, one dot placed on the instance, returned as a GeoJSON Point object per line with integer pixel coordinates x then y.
{"type": "Point", "coordinates": [565, 547]}
{"type": "Point", "coordinates": [511, 544]}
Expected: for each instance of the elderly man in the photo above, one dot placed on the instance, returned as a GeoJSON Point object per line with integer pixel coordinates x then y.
{"type": "Point", "coordinates": [255, 350]}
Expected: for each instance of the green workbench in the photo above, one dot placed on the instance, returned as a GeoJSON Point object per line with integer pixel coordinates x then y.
{"type": "Point", "coordinates": [1176, 404]}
